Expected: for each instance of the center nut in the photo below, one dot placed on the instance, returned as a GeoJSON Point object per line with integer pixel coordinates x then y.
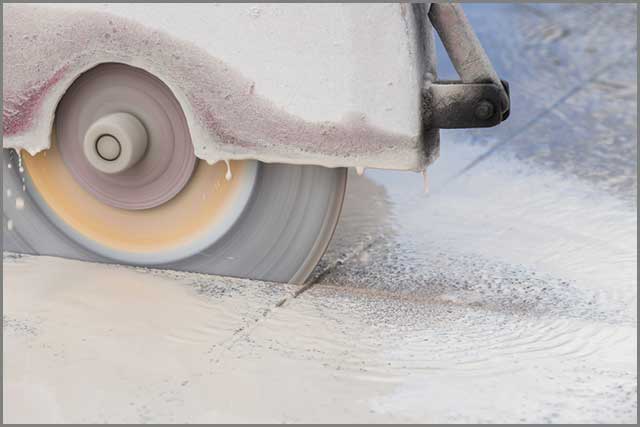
{"type": "Point", "coordinates": [115, 143]}
{"type": "Point", "coordinates": [108, 147]}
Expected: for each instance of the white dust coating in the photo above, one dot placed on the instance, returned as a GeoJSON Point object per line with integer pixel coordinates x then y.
{"type": "Point", "coordinates": [45, 49]}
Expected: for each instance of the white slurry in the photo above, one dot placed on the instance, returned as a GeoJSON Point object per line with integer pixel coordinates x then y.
{"type": "Point", "coordinates": [228, 174]}
{"type": "Point", "coordinates": [425, 179]}
{"type": "Point", "coordinates": [18, 152]}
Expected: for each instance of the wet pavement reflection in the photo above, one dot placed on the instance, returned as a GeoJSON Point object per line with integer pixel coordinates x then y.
{"type": "Point", "coordinates": [573, 78]}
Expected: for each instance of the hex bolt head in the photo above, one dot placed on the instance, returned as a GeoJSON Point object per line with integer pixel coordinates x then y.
{"type": "Point", "coordinates": [484, 110]}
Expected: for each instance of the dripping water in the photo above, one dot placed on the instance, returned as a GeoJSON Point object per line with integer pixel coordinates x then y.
{"type": "Point", "coordinates": [228, 175]}
{"type": "Point", "coordinates": [425, 178]}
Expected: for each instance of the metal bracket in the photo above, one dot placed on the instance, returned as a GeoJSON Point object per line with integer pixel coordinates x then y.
{"type": "Point", "coordinates": [454, 104]}
{"type": "Point", "coordinates": [480, 98]}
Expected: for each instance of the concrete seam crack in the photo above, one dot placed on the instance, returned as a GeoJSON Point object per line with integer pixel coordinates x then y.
{"type": "Point", "coordinates": [330, 268]}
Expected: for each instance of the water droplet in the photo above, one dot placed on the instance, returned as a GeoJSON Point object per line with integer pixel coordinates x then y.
{"type": "Point", "coordinates": [19, 203]}
{"type": "Point", "coordinates": [228, 175]}
{"type": "Point", "coordinates": [425, 175]}
{"type": "Point", "coordinates": [9, 192]}
{"type": "Point", "coordinates": [20, 168]}
{"type": "Point", "coordinates": [9, 225]}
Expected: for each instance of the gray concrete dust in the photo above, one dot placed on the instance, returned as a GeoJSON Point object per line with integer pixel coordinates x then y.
{"type": "Point", "coordinates": [506, 294]}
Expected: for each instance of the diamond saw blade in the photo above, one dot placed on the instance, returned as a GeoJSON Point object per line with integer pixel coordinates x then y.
{"type": "Point", "coordinates": [166, 209]}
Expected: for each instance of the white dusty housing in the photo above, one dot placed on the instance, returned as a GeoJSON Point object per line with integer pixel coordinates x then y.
{"type": "Point", "coordinates": [120, 101]}
{"type": "Point", "coordinates": [325, 84]}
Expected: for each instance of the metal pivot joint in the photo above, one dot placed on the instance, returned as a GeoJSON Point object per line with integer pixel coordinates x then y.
{"type": "Point", "coordinates": [479, 98]}
{"type": "Point", "coordinates": [454, 104]}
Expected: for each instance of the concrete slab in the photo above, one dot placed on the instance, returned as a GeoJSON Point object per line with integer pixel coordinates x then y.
{"type": "Point", "coordinates": [98, 343]}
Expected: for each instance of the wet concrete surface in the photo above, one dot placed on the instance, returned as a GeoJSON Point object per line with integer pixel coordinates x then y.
{"type": "Point", "coordinates": [573, 75]}
{"type": "Point", "coordinates": [506, 294]}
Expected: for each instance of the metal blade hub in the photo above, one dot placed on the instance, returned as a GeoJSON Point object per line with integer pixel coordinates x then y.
{"type": "Point", "coordinates": [115, 143]}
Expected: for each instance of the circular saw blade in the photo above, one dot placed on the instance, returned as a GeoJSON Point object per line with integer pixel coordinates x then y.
{"type": "Point", "coordinates": [280, 234]}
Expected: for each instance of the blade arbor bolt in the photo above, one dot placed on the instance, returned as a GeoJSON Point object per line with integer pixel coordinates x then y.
{"type": "Point", "coordinates": [115, 142]}
{"type": "Point", "coordinates": [108, 147]}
